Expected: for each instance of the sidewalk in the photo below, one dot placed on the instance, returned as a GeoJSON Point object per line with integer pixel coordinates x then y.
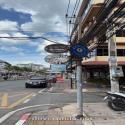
{"type": "Point", "coordinates": [87, 87]}
{"type": "Point", "coordinates": [101, 90]}
{"type": "Point", "coordinates": [59, 116]}
{"type": "Point", "coordinates": [94, 114]}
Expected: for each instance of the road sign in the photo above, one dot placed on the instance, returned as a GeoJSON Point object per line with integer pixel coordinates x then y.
{"type": "Point", "coordinates": [58, 68]}
{"type": "Point", "coordinates": [79, 50]}
{"type": "Point", "coordinates": [56, 59]}
{"type": "Point", "coordinates": [56, 48]}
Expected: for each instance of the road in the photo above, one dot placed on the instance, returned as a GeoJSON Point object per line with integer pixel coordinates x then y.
{"type": "Point", "coordinates": [14, 95]}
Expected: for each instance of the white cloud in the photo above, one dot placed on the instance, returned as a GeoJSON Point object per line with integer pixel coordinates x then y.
{"type": "Point", "coordinates": [10, 49]}
{"type": "Point", "coordinates": [8, 25]}
{"type": "Point", "coordinates": [46, 15]}
{"type": "Point", "coordinates": [13, 49]}
{"type": "Point", "coordinates": [43, 45]}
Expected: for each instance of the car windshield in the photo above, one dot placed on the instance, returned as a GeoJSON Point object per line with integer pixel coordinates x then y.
{"type": "Point", "coordinates": [37, 78]}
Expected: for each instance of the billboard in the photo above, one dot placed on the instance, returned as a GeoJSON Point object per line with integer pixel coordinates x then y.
{"type": "Point", "coordinates": [58, 68]}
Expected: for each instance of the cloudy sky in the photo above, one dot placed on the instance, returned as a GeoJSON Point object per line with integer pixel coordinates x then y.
{"type": "Point", "coordinates": [37, 17]}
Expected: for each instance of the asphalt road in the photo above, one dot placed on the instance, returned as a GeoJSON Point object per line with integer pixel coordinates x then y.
{"type": "Point", "coordinates": [14, 95]}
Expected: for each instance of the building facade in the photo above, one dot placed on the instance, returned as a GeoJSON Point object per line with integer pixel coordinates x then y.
{"type": "Point", "coordinates": [34, 67]}
{"type": "Point", "coordinates": [97, 64]}
{"type": "Point", "coordinates": [3, 65]}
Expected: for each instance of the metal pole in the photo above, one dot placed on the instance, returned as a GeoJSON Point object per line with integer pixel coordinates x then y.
{"type": "Point", "coordinates": [79, 80]}
{"type": "Point", "coordinates": [112, 62]}
{"type": "Point", "coordinates": [79, 90]}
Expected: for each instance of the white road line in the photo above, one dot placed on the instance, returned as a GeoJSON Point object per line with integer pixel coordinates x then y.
{"type": "Point", "coordinates": [5, 117]}
{"type": "Point", "coordinates": [27, 100]}
{"type": "Point", "coordinates": [34, 95]}
{"type": "Point", "coordinates": [41, 91]}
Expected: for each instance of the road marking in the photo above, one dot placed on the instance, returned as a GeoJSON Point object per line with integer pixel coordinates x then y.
{"type": "Point", "coordinates": [23, 119]}
{"type": "Point", "coordinates": [5, 117]}
{"type": "Point", "coordinates": [4, 102]}
{"type": "Point", "coordinates": [19, 101]}
{"type": "Point", "coordinates": [34, 95]}
{"type": "Point", "coordinates": [27, 100]}
{"type": "Point", "coordinates": [18, 94]}
{"type": "Point", "coordinates": [41, 90]}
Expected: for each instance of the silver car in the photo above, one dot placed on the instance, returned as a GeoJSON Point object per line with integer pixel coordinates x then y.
{"type": "Point", "coordinates": [36, 82]}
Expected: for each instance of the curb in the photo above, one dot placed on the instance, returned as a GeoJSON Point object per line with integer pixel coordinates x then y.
{"type": "Point", "coordinates": [23, 119]}
{"type": "Point", "coordinates": [11, 80]}
{"type": "Point", "coordinates": [6, 116]}
{"type": "Point", "coordinates": [84, 90]}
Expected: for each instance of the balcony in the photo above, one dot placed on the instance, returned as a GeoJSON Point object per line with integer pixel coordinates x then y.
{"type": "Point", "coordinates": [87, 13]}
{"type": "Point", "coordinates": [92, 9]}
{"type": "Point", "coordinates": [120, 40]}
{"type": "Point", "coordinates": [102, 60]}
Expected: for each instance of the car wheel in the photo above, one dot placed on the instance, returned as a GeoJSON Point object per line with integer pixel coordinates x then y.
{"type": "Point", "coordinates": [45, 85]}
{"type": "Point", "coordinates": [26, 86]}
{"type": "Point", "coordinates": [114, 107]}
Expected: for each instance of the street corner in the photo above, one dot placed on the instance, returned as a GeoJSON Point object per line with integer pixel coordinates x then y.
{"type": "Point", "coordinates": [12, 99]}
{"type": "Point", "coordinates": [58, 116]}
{"type": "Point", "coordinates": [101, 114]}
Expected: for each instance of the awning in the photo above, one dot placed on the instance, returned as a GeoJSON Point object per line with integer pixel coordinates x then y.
{"type": "Point", "coordinates": [101, 63]}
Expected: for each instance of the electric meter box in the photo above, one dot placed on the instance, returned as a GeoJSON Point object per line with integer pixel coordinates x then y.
{"type": "Point", "coordinates": [118, 72]}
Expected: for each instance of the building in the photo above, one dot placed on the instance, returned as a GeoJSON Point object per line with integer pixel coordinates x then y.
{"type": "Point", "coordinates": [3, 65]}
{"type": "Point", "coordinates": [34, 67]}
{"type": "Point", "coordinates": [96, 65]}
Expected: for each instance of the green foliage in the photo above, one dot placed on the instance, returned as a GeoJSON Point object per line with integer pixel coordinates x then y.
{"type": "Point", "coordinates": [18, 69]}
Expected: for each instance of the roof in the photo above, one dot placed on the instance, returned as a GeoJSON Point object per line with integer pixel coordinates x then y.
{"type": "Point", "coordinates": [2, 61]}
{"type": "Point", "coordinates": [101, 63]}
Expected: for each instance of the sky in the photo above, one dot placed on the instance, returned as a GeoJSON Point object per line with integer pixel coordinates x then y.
{"type": "Point", "coordinates": [25, 18]}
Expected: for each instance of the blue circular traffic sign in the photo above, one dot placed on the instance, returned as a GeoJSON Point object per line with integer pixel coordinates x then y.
{"type": "Point", "coordinates": [79, 50]}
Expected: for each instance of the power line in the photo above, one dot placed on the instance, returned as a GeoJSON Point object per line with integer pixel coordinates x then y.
{"type": "Point", "coordinates": [67, 9]}
{"type": "Point", "coordinates": [26, 38]}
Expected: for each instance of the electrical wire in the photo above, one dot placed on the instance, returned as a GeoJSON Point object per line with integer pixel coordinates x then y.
{"type": "Point", "coordinates": [74, 15]}
{"type": "Point", "coordinates": [27, 38]}
{"type": "Point", "coordinates": [66, 16]}
{"type": "Point", "coordinates": [68, 8]}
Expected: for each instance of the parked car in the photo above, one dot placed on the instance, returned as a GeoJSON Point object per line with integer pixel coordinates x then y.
{"type": "Point", "coordinates": [36, 82]}
{"type": "Point", "coordinates": [51, 79]}
{"type": "Point", "coordinates": [5, 77]}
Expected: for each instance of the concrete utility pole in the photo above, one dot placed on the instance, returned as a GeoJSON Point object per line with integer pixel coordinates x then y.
{"type": "Point", "coordinates": [113, 62]}
{"type": "Point", "coordinates": [79, 79]}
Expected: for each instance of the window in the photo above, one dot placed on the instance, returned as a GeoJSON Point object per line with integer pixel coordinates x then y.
{"type": "Point", "coordinates": [120, 52]}
{"type": "Point", "coordinates": [99, 52]}
{"type": "Point", "coordinates": [105, 52]}
{"type": "Point", "coordinates": [120, 33]}
{"type": "Point", "coordinates": [102, 52]}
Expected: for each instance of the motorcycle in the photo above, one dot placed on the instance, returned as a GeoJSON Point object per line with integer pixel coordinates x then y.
{"type": "Point", "coordinates": [115, 101]}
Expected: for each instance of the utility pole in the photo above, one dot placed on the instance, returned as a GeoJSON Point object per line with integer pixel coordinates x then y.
{"type": "Point", "coordinates": [112, 52]}
{"type": "Point", "coordinates": [79, 79]}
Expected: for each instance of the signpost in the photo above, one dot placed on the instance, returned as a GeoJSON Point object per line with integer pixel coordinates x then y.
{"type": "Point", "coordinates": [57, 48]}
{"type": "Point", "coordinates": [79, 50]}
{"type": "Point", "coordinates": [56, 59]}
{"type": "Point", "coordinates": [58, 68]}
